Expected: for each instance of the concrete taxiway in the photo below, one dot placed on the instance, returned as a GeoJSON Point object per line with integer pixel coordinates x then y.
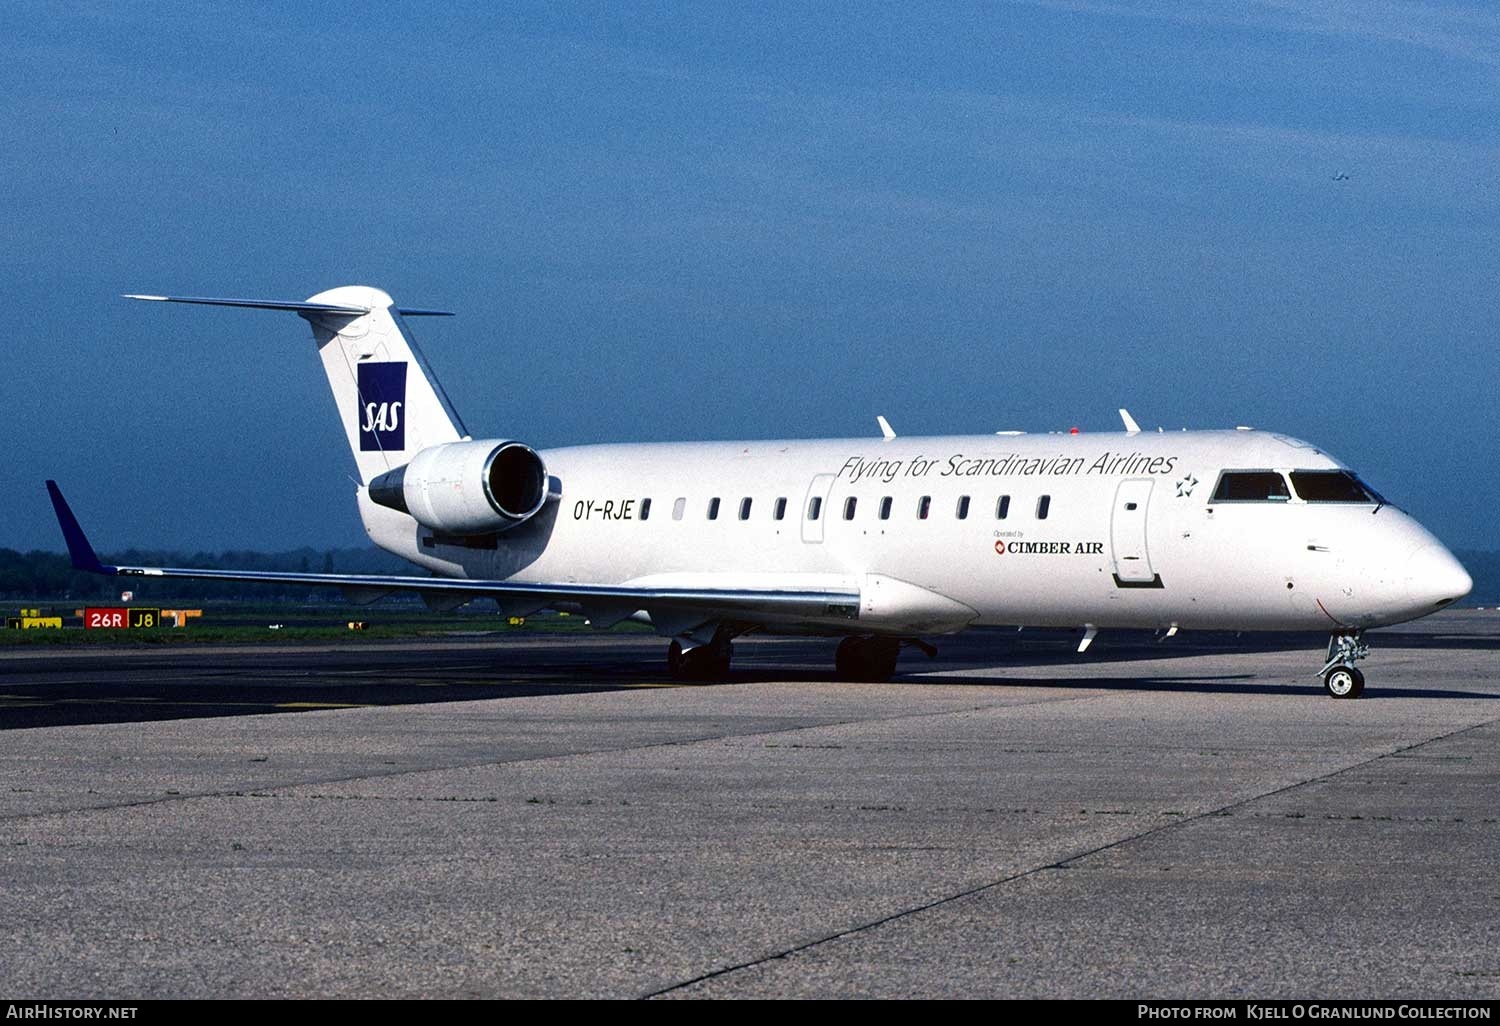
{"type": "Point", "coordinates": [1142, 822]}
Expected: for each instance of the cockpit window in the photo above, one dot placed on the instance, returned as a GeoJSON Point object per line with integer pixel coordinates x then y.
{"type": "Point", "coordinates": [1332, 486]}
{"type": "Point", "coordinates": [1251, 486]}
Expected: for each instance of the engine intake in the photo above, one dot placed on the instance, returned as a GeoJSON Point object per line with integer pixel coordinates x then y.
{"type": "Point", "coordinates": [467, 488]}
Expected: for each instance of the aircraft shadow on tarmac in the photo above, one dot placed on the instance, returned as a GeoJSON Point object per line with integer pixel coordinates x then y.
{"type": "Point", "coordinates": [99, 687]}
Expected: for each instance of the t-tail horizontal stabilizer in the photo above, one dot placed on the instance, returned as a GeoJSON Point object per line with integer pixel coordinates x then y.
{"type": "Point", "coordinates": [295, 307]}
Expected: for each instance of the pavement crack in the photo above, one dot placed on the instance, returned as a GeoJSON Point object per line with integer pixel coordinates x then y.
{"type": "Point", "coordinates": [1067, 863]}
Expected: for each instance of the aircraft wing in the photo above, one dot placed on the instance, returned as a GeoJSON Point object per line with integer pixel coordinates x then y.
{"type": "Point", "coordinates": [610, 603]}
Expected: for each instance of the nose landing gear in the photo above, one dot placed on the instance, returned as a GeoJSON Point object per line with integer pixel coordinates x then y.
{"type": "Point", "coordinates": [1340, 678]}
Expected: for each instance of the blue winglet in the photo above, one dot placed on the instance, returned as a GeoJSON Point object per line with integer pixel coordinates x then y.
{"type": "Point", "coordinates": [79, 549]}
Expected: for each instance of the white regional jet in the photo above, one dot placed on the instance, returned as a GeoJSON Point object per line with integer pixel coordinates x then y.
{"type": "Point", "coordinates": [882, 542]}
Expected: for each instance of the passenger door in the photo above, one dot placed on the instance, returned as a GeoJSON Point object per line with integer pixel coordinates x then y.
{"type": "Point", "coordinates": [1127, 531]}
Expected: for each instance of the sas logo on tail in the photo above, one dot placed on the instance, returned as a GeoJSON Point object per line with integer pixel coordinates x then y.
{"type": "Point", "coordinates": [382, 403]}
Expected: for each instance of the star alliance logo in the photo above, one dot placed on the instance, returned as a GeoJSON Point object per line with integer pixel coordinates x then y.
{"type": "Point", "coordinates": [1186, 485]}
{"type": "Point", "coordinates": [382, 401]}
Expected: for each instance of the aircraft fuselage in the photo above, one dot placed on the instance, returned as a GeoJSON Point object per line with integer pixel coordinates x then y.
{"type": "Point", "coordinates": [1111, 530]}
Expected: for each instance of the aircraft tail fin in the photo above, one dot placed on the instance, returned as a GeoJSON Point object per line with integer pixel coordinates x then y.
{"type": "Point", "coordinates": [389, 401]}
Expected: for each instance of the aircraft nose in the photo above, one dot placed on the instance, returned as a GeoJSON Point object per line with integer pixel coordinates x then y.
{"type": "Point", "coordinates": [1435, 579]}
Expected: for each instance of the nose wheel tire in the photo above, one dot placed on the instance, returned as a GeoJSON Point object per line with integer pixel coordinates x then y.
{"type": "Point", "coordinates": [1344, 682]}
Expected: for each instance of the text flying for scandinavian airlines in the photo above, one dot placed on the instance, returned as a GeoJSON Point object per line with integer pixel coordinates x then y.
{"type": "Point", "coordinates": [857, 468]}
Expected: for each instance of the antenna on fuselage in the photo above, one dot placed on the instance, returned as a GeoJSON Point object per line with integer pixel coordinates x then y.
{"type": "Point", "coordinates": [885, 427]}
{"type": "Point", "coordinates": [1131, 427]}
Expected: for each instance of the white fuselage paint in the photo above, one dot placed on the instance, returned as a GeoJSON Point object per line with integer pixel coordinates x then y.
{"type": "Point", "coordinates": [1131, 537]}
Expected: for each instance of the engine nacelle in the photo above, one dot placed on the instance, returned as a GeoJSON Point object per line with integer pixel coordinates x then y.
{"type": "Point", "coordinates": [467, 488]}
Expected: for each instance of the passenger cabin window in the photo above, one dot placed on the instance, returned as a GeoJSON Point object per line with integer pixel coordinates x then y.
{"type": "Point", "coordinates": [1251, 486]}
{"type": "Point", "coordinates": [924, 507]}
{"type": "Point", "coordinates": [849, 505]}
{"type": "Point", "coordinates": [679, 508]}
{"type": "Point", "coordinates": [745, 508]}
{"type": "Point", "coordinates": [780, 513]}
{"type": "Point", "coordinates": [885, 508]}
{"type": "Point", "coordinates": [1002, 508]}
{"type": "Point", "coordinates": [963, 508]}
{"type": "Point", "coordinates": [645, 508]}
{"type": "Point", "coordinates": [713, 508]}
{"type": "Point", "coordinates": [814, 507]}
{"type": "Point", "coordinates": [1043, 507]}
{"type": "Point", "coordinates": [1332, 486]}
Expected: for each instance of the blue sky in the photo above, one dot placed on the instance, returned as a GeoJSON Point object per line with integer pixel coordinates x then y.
{"type": "Point", "coordinates": [662, 221]}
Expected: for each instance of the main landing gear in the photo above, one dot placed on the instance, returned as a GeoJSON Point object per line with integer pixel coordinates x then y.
{"type": "Point", "coordinates": [1340, 678]}
{"type": "Point", "coordinates": [867, 659]}
{"type": "Point", "coordinates": [872, 660]}
{"type": "Point", "coordinates": [701, 662]}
